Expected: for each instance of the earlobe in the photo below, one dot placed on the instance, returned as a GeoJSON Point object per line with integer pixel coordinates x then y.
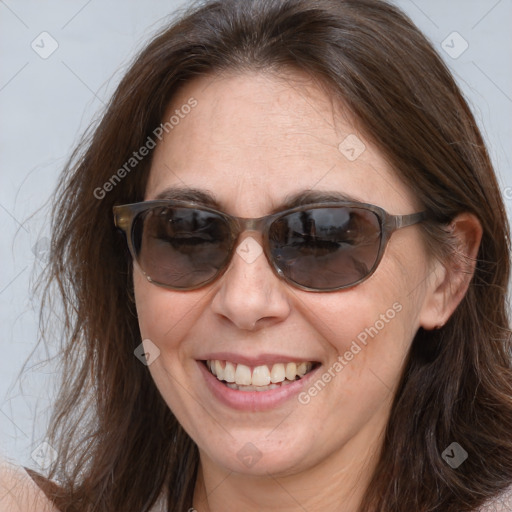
{"type": "Point", "coordinates": [449, 280]}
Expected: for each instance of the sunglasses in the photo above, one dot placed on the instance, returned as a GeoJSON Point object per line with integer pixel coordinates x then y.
{"type": "Point", "coordinates": [318, 247]}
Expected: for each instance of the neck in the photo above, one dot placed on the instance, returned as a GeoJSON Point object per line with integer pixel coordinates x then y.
{"type": "Point", "coordinates": [334, 484]}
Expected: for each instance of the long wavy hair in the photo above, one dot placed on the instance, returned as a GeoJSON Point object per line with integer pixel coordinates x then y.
{"type": "Point", "coordinates": [118, 443]}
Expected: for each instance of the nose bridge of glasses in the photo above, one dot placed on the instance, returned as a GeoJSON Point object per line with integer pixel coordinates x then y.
{"type": "Point", "coordinates": [245, 224]}
{"type": "Point", "coordinates": [242, 228]}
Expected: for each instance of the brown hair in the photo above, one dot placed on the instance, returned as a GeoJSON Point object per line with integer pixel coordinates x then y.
{"type": "Point", "coordinates": [118, 443]}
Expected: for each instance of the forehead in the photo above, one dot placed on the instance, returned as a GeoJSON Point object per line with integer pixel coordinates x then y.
{"type": "Point", "coordinates": [252, 141]}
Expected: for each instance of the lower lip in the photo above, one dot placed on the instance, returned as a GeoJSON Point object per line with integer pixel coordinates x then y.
{"type": "Point", "coordinates": [253, 400]}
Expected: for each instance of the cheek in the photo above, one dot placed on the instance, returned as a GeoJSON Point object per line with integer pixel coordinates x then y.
{"type": "Point", "coordinates": [367, 335]}
{"type": "Point", "coordinates": [163, 312]}
{"type": "Point", "coordinates": [165, 317]}
{"type": "Point", "coordinates": [369, 328]}
{"type": "Point", "coordinates": [369, 349]}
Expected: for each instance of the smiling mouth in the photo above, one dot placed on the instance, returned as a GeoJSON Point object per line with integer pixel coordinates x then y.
{"type": "Point", "coordinates": [258, 378]}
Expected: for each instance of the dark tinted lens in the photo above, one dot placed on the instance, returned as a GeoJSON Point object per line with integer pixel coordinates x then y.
{"type": "Point", "coordinates": [180, 247]}
{"type": "Point", "coordinates": [326, 248]}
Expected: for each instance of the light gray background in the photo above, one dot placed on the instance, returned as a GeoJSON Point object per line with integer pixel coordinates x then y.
{"type": "Point", "coordinates": [46, 104]}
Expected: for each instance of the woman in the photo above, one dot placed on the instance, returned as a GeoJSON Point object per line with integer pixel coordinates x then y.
{"type": "Point", "coordinates": [346, 349]}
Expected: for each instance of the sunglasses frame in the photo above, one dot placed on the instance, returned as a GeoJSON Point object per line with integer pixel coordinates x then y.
{"type": "Point", "coordinates": [124, 215]}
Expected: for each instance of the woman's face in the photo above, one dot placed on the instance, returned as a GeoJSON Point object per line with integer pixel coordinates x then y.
{"type": "Point", "coordinates": [251, 141]}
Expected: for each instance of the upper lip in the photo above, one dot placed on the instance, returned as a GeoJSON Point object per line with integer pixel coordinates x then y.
{"type": "Point", "coordinates": [259, 360]}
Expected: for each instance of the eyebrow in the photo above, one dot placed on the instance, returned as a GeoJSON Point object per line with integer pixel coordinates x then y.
{"type": "Point", "coordinates": [303, 197]}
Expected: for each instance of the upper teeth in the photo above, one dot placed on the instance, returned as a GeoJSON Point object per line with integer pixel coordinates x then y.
{"type": "Point", "coordinates": [243, 375]}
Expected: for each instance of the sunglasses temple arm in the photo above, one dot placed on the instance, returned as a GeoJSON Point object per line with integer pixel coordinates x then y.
{"type": "Point", "coordinates": [402, 221]}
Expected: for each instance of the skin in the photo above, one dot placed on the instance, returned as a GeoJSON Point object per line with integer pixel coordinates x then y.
{"type": "Point", "coordinates": [18, 492]}
{"type": "Point", "coordinates": [252, 139]}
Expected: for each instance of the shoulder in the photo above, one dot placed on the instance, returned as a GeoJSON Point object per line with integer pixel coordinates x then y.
{"type": "Point", "coordinates": [502, 503]}
{"type": "Point", "coordinates": [19, 493]}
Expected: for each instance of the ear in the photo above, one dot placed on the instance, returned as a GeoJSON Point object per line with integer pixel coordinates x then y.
{"type": "Point", "coordinates": [449, 280]}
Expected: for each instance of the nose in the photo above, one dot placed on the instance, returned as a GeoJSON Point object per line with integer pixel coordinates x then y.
{"type": "Point", "coordinates": [249, 294]}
